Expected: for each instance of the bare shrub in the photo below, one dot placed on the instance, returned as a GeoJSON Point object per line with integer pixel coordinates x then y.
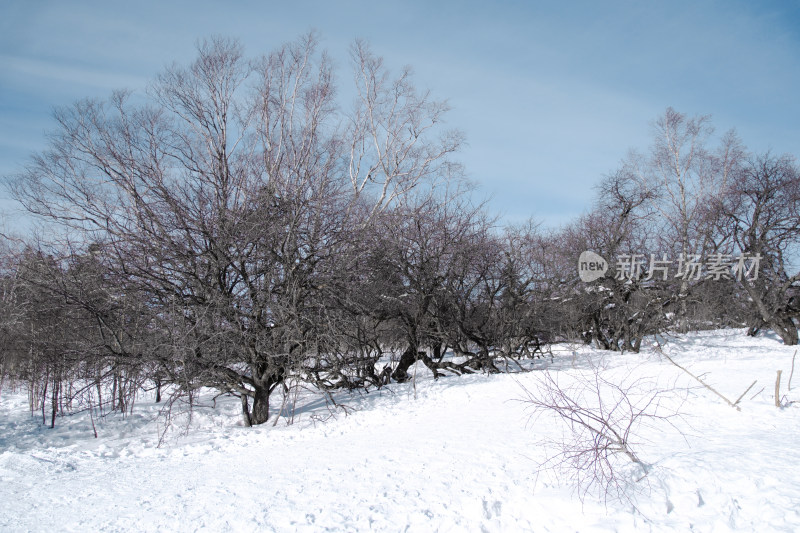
{"type": "Point", "coordinates": [603, 419]}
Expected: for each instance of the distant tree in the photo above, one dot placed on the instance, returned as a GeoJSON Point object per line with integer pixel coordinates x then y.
{"type": "Point", "coordinates": [684, 172]}
{"type": "Point", "coordinates": [417, 254]}
{"type": "Point", "coordinates": [616, 311]}
{"type": "Point", "coordinates": [72, 334]}
{"type": "Point", "coordinates": [12, 311]}
{"type": "Point", "coordinates": [760, 218]}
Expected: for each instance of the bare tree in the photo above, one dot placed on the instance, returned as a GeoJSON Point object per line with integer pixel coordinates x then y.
{"type": "Point", "coordinates": [229, 199]}
{"type": "Point", "coordinates": [395, 137]}
{"type": "Point", "coordinates": [416, 251]}
{"type": "Point", "coordinates": [73, 334]}
{"type": "Point", "coordinates": [616, 311]}
{"type": "Point", "coordinates": [12, 311]}
{"type": "Point", "coordinates": [760, 218]}
{"type": "Point", "coordinates": [684, 174]}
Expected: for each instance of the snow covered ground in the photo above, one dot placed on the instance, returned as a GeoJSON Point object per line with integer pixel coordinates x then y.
{"type": "Point", "coordinates": [463, 455]}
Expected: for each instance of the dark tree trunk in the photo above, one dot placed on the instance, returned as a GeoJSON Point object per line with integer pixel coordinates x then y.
{"type": "Point", "coordinates": [44, 399]}
{"type": "Point", "coordinates": [438, 352]}
{"type": "Point", "coordinates": [785, 329]}
{"type": "Point", "coordinates": [486, 362]}
{"type": "Point", "coordinates": [99, 387]}
{"type": "Point", "coordinates": [246, 411]}
{"type": "Point", "coordinates": [781, 324]}
{"type": "Point", "coordinates": [637, 344]}
{"type": "Point", "coordinates": [753, 330]}
{"type": "Point", "coordinates": [260, 412]}
{"type": "Point", "coordinates": [264, 380]}
{"type": "Point", "coordinates": [114, 392]}
{"type": "Point", "coordinates": [408, 358]}
{"type": "Point", "coordinates": [54, 403]}
{"type": "Point", "coordinates": [599, 336]}
{"type": "Point", "coordinates": [121, 401]}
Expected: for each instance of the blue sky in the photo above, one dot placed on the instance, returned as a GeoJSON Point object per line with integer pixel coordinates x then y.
{"type": "Point", "coordinates": [550, 95]}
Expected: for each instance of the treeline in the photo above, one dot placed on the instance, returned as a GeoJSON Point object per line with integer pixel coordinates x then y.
{"type": "Point", "coordinates": [237, 228]}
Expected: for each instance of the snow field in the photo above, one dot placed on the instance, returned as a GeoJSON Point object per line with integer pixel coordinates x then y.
{"type": "Point", "coordinates": [461, 456]}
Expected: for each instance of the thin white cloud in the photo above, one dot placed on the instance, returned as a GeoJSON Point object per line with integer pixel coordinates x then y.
{"type": "Point", "coordinates": [24, 70]}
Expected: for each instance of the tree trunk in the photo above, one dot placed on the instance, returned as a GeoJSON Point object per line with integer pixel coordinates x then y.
{"type": "Point", "coordinates": [781, 324]}
{"type": "Point", "coordinates": [246, 412]}
{"type": "Point", "coordinates": [121, 401]}
{"type": "Point", "coordinates": [44, 399]}
{"type": "Point", "coordinates": [683, 319]}
{"type": "Point", "coordinates": [786, 329]}
{"type": "Point", "coordinates": [260, 412]}
{"type": "Point", "coordinates": [54, 402]}
{"type": "Point", "coordinates": [637, 344]}
{"type": "Point", "coordinates": [438, 352]}
{"type": "Point", "coordinates": [99, 387]}
{"type": "Point", "coordinates": [114, 392]}
{"type": "Point", "coordinates": [408, 358]}
{"type": "Point", "coordinates": [755, 327]}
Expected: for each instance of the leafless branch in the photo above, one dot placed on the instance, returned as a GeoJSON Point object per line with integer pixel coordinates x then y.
{"type": "Point", "coordinates": [603, 418]}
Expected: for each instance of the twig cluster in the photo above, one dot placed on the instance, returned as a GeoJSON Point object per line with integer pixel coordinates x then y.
{"type": "Point", "coordinates": [603, 419]}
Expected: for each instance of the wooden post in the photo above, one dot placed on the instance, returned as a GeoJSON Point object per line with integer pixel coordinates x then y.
{"type": "Point", "coordinates": [778, 389]}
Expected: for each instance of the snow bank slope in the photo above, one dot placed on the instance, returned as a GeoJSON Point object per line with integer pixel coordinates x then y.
{"type": "Point", "coordinates": [462, 456]}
